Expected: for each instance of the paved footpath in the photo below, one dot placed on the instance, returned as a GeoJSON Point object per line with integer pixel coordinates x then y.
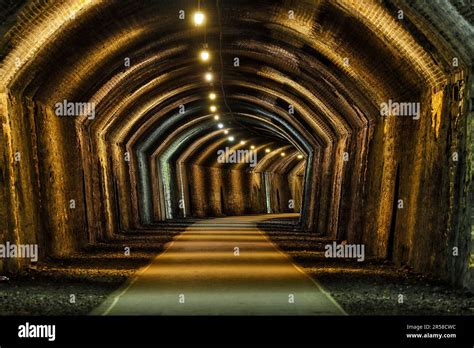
{"type": "Point", "coordinates": [200, 274]}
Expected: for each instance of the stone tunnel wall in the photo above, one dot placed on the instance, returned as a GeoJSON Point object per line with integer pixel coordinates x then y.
{"type": "Point", "coordinates": [41, 180]}
{"type": "Point", "coordinates": [468, 182]}
{"type": "Point", "coordinates": [296, 189]}
{"type": "Point", "coordinates": [413, 182]}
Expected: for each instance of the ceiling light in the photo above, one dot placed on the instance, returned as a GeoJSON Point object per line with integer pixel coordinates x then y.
{"type": "Point", "coordinates": [252, 147]}
{"type": "Point", "coordinates": [242, 142]}
{"type": "Point", "coordinates": [204, 55]}
{"type": "Point", "coordinates": [216, 117]}
{"type": "Point", "coordinates": [212, 96]}
{"type": "Point", "coordinates": [213, 108]}
{"type": "Point", "coordinates": [267, 150]}
{"type": "Point", "coordinates": [199, 18]}
{"type": "Point", "coordinates": [231, 138]}
{"type": "Point", "coordinates": [300, 156]}
{"type": "Point", "coordinates": [220, 125]}
{"type": "Point", "coordinates": [208, 76]}
{"type": "Point", "coordinates": [226, 132]}
{"type": "Point", "coordinates": [283, 154]}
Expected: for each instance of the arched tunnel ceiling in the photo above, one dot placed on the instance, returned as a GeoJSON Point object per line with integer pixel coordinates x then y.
{"type": "Point", "coordinates": [63, 17]}
{"type": "Point", "coordinates": [105, 46]}
{"type": "Point", "coordinates": [104, 51]}
{"type": "Point", "coordinates": [202, 150]}
{"type": "Point", "coordinates": [310, 64]}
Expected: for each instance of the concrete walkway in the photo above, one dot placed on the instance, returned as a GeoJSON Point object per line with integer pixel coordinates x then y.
{"type": "Point", "coordinates": [201, 273]}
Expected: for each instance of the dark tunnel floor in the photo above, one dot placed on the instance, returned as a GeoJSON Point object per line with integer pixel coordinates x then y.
{"type": "Point", "coordinates": [372, 287]}
{"type": "Point", "coordinates": [368, 288]}
{"type": "Point", "coordinates": [91, 276]}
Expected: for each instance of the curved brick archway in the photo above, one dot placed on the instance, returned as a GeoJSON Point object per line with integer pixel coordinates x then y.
{"type": "Point", "coordinates": [312, 80]}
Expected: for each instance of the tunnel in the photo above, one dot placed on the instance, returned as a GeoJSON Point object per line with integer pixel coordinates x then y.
{"type": "Point", "coordinates": [344, 121]}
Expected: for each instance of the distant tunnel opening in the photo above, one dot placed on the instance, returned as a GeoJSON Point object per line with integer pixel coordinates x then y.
{"type": "Point", "coordinates": [221, 188]}
{"type": "Point", "coordinates": [221, 166]}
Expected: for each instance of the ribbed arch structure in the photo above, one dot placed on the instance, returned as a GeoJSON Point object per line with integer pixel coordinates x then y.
{"type": "Point", "coordinates": [311, 79]}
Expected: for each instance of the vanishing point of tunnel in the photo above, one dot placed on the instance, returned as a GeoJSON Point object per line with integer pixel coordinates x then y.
{"type": "Point", "coordinates": [236, 157]}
